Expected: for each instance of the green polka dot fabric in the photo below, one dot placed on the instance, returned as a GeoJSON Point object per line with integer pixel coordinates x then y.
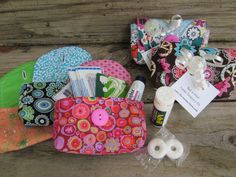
{"type": "Point", "coordinates": [53, 66]}
{"type": "Point", "coordinates": [11, 82]}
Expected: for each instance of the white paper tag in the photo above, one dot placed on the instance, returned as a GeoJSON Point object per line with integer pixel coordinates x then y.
{"type": "Point", "coordinates": [193, 100]}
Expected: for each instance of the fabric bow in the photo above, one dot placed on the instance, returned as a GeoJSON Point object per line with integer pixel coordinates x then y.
{"type": "Point", "coordinates": [195, 65]}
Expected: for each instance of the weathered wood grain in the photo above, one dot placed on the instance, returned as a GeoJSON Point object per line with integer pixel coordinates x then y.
{"type": "Point", "coordinates": [11, 57]}
{"type": "Point", "coordinates": [213, 151]}
{"type": "Point", "coordinates": [28, 22]}
{"type": "Point", "coordinates": [61, 22]}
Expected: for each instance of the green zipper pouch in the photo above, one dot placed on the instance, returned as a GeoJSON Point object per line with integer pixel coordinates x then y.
{"type": "Point", "coordinates": [11, 83]}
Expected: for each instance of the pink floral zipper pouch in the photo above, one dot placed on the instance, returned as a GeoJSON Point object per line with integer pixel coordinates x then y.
{"type": "Point", "coordinates": [99, 126]}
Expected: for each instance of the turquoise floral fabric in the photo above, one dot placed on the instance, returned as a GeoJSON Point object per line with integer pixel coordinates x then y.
{"type": "Point", "coordinates": [53, 66]}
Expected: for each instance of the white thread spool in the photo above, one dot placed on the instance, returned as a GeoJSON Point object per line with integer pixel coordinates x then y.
{"type": "Point", "coordinates": [175, 149]}
{"type": "Point", "coordinates": [157, 148]}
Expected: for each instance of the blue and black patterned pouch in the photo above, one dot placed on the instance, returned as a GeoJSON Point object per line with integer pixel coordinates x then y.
{"type": "Point", "coordinates": [36, 106]}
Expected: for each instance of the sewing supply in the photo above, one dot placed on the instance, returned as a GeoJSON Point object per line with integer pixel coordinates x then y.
{"type": "Point", "coordinates": [175, 149]}
{"type": "Point", "coordinates": [137, 88]}
{"type": "Point", "coordinates": [157, 148]}
{"type": "Point", "coordinates": [107, 86]}
{"type": "Point", "coordinates": [163, 103]}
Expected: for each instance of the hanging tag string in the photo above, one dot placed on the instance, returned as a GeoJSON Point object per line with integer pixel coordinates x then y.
{"type": "Point", "coordinates": [195, 65]}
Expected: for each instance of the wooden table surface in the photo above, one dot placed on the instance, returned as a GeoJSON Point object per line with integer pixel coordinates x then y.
{"type": "Point", "coordinates": [29, 29]}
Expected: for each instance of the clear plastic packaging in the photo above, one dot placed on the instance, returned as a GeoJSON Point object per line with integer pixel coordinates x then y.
{"type": "Point", "coordinates": [163, 144]}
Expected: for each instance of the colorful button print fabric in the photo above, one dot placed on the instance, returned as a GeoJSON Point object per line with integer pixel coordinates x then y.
{"type": "Point", "coordinates": [111, 68]}
{"type": "Point", "coordinates": [222, 74]}
{"type": "Point", "coordinates": [194, 32]}
{"type": "Point", "coordinates": [15, 136]}
{"type": "Point", "coordinates": [11, 82]}
{"type": "Point", "coordinates": [99, 126]}
{"type": "Point", "coordinates": [36, 104]}
{"type": "Point", "coordinates": [52, 67]}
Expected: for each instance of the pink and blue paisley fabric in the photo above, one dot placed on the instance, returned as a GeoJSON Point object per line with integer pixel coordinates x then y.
{"type": "Point", "coordinates": [194, 32]}
{"type": "Point", "coordinates": [76, 132]}
{"type": "Point", "coordinates": [221, 74]}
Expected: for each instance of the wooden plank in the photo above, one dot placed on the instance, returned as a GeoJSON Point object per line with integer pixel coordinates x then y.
{"type": "Point", "coordinates": [80, 22]}
{"type": "Point", "coordinates": [11, 57]}
{"type": "Point", "coordinates": [212, 153]}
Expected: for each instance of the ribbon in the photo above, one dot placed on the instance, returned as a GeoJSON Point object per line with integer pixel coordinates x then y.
{"type": "Point", "coordinates": [212, 60]}
{"type": "Point", "coordinates": [153, 27]}
{"type": "Point", "coordinates": [195, 65]}
{"type": "Point", "coordinates": [175, 23]}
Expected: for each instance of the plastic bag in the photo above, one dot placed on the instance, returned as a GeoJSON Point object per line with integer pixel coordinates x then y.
{"type": "Point", "coordinates": [163, 144]}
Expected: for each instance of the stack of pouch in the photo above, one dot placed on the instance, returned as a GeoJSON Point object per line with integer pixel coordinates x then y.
{"type": "Point", "coordinates": [36, 106]}
{"type": "Point", "coordinates": [49, 69]}
{"type": "Point", "coordinates": [13, 134]}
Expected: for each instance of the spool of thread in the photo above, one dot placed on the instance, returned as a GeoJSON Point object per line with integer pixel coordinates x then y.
{"type": "Point", "coordinates": [157, 148]}
{"type": "Point", "coordinates": [175, 149]}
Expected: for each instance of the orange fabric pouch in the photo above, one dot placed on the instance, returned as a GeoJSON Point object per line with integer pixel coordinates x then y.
{"type": "Point", "coordinates": [15, 136]}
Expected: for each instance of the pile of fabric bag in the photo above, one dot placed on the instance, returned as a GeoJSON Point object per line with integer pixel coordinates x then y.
{"type": "Point", "coordinates": [158, 44]}
{"type": "Point", "coordinates": [29, 114]}
{"type": "Point", "coordinates": [36, 104]}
